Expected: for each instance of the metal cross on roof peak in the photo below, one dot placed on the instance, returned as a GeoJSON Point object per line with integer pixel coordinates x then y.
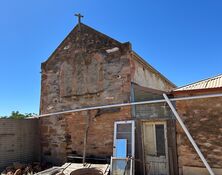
{"type": "Point", "coordinates": [79, 17]}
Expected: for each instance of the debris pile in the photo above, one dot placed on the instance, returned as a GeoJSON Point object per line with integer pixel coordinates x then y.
{"type": "Point", "coordinates": [23, 169]}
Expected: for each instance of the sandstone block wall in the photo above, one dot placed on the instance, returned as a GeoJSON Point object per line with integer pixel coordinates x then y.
{"type": "Point", "coordinates": [203, 119]}
{"type": "Point", "coordinates": [87, 69]}
{"type": "Point", "coordinates": [64, 135]}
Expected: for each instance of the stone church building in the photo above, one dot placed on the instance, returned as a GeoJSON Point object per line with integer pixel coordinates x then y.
{"type": "Point", "coordinates": [91, 69]}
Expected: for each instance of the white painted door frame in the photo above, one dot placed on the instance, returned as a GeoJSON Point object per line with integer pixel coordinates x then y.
{"type": "Point", "coordinates": [131, 159]}
{"type": "Point", "coordinates": [132, 122]}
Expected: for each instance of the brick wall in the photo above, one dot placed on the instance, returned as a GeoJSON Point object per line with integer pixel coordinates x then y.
{"type": "Point", "coordinates": [19, 141]}
{"type": "Point", "coordinates": [87, 69]}
{"type": "Point", "coordinates": [64, 135]}
{"type": "Point", "coordinates": [203, 119]}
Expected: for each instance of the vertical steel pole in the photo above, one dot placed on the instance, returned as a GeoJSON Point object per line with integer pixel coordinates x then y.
{"type": "Point", "coordinates": [87, 119]}
{"type": "Point", "coordinates": [188, 135]}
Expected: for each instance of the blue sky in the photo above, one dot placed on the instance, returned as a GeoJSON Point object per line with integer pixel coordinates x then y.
{"type": "Point", "coordinates": [180, 38]}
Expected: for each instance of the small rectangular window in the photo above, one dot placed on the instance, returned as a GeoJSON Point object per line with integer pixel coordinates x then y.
{"type": "Point", "coordinates": [160, 140]}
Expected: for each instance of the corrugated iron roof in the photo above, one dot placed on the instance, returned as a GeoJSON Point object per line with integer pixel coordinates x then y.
{"type": "Point", "coordinates": [214, 82]}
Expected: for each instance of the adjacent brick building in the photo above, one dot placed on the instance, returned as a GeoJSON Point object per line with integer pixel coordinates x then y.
{"type": "Point", "coordinates": [203, 119]}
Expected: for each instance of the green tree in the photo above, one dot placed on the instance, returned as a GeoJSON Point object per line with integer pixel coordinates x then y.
{"type": "Point", "coordinates": [18, 115]}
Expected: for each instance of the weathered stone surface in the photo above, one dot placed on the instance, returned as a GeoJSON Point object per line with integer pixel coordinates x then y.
{"type": "Point", "coordinates": [100, 134]}
{"type": "Point", "coordinates": [87, 69]}
{"type": "Point", "coordinates": [203, 120]}
{"type": "Point", "coordinates": [58, 141]}
{"type": "Point", "coordinates": [53, 140]}
{"type": "Point", "coordinates": [84, 74]}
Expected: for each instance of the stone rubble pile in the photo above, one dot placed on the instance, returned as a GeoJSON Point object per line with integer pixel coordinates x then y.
{"type": "Point", "coordinates": [23, 169]}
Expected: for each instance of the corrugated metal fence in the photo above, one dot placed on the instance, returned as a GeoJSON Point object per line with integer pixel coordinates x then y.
{"type": "Point", "coordinates": [19, 141]}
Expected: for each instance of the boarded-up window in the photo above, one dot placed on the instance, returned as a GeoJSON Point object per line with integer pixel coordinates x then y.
{"type": "Point", "coordinates": [66, 80]}
{"type": "Point", "coordinates": [81, 76]}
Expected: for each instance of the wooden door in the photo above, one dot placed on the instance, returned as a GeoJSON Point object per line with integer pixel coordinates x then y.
{"type": "Point", "coordinates": [155, 148]}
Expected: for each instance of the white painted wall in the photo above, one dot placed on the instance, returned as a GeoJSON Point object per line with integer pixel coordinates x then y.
{"type": "Point", "coordinates": [146, 77]}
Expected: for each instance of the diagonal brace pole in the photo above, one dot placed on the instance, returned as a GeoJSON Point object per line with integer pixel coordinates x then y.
{"type": "Point", "coordinates": [188, 134]}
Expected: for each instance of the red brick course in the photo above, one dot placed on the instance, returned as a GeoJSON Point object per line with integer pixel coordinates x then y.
{"type": "Point", "coordinates": [64, 135]}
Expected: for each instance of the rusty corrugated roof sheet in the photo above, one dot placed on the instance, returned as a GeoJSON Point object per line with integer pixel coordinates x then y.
{"type": "Point", "coordinates": [214, 82]}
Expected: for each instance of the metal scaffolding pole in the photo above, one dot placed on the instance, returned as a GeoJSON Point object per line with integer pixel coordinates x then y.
{"type": "Point", "coordinates": [166, 99]}
{"type": "Point", "coordinates": [188, 135]}
{"type": "Point", "coordinates": [129, 104]}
